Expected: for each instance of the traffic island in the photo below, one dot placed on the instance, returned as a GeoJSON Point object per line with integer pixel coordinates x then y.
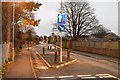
{"type": "Point", "coordinates": [52, 60]}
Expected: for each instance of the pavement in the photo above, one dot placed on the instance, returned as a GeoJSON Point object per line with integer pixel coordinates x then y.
{"type": "Point", "coordinates": [21, 68]}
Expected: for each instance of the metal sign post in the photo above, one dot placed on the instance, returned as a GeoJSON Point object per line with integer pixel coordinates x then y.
{"type": "Point", "coordinates": [61, 47]}
{"type": "Point", "coordinates": [61, 21]}
{"type": "Point", "coordinates": [61, 26]}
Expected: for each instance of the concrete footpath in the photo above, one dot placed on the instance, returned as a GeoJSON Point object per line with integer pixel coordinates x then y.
{"type": "Point", "coordinates": [21, 68]}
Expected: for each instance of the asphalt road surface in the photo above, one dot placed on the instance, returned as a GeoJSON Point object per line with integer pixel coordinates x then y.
{"type": "Point", "coordinates": [87, 68]}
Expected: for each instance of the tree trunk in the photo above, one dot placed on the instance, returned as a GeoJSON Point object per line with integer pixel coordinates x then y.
{"type": "Point", "coordinates": [9, 20]}
{"type": "Point", "coordinates": [9, 13]}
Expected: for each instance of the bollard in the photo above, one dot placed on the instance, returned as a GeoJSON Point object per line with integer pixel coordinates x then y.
{"type": "Point", "coordinates": [43, 50]}
{"type": "Point", "coordinates": [55, 60]}
{"type": "Point", "coordinates": [68, 55]}
{"type": "Point", "coordinates": [48, 47]}
{"type": "Point", "coordinates": [59, 51]}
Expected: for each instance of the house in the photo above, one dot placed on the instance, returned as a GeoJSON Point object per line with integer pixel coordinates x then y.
{"type": "Point", "coordinates": [111, 37]}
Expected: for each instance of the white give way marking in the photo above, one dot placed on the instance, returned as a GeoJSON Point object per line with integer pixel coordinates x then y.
{"type": "Point", "coordinates": [83, 76]}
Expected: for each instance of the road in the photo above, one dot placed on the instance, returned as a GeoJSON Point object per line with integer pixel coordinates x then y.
{"type": "Point", "coordinates": [84, 66]}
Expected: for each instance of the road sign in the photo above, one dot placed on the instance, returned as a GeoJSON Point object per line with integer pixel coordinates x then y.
{"type": "Point", "coordinates": [61, 28]}
{"type": "Point", "coordinates": [61, 22]}
{"type": "Point", "coordinates": [61, 19]}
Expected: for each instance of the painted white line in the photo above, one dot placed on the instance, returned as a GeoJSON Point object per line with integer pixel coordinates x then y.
{"type": "Point", "coordinates": [106, 76]}
{"type": "Point", "coordinates": [62, 65]}
{"type": "Point", "coordinates": [74, 60]}
{"type": "Point", "coordinates": [84, 75]}
{"type": "Point", "coordinates": [44, 60]}
{"type": "Point", "coordinates": [69, 62]}
{"type": "Point", "coordinates": [36, 52]}
{"type": "Point", "coordinates": [66, 63]}
{"type": "Point", "coordinates": [46, 77]}
{"type": "Point", "coordinates": [32, 66]}
{"type": "Point", "coordinates": [88, 77]}
{"type": "Point", "coordinates": [42, 67]}
{"type": "Point", "coordinates": [66, 76]}
{"type": "Point", "coordinates": [80, 76]}
{"type": "Point", "coordinates": [57, 66]}
{"type": "Point", "coordinates": [102, 74]}
{"type": "Point", "coordinates": [110, 76]}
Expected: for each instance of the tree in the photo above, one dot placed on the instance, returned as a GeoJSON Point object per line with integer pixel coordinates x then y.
{"type": "Point", "coordinates": [6, 21]}
{"type": "Point", "coordinates": [37, 39]}
{"type": "Point", "coordinates": [22, 10]}
{"type": "Point", "coordinates": [30, 33]}
{"type": "Point", "coordinates": [80, 18]}
{"type": "Point", "coordinates": [32, 22]}
{"type": "Point", "coordinates": [100, 31]}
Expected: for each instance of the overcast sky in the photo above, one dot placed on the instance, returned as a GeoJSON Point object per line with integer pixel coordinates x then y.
{"type": "Point", "coordinates": [105, 10]}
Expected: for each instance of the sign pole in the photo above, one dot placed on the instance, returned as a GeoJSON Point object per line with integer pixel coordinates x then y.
{"type": "Point", "coordinates": [61, 47]}
{"type": "Point", "coordinates": [61, 40]}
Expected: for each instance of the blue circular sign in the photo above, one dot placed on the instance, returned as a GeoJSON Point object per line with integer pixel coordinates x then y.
{"type": "Point", "coordinates": [61, 28]}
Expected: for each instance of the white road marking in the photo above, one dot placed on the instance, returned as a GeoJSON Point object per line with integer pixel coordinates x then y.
{"type": "Point", "coordinates": [105, 76]}
{"type": "Point", "coordinates": [88, 77]}
{"type": "Point", "coordinates": [66, 76]}
{"type": "Point", "coordinates": [84, 75]}
{"type": "Point", "coordinates": [110, 76]}
{"type": "Point", "coordinates": [102, 74]}
{"type": "Point", "coordinates": [42, 67]}
{"type": "Point", "coordinates": [43, 59]}
{"type": "Point", "coordinates": [57, 66]}
{"type": "Point", "coordinates": [66, 63]}
{"type": "Point", "coordinates": [46, 77]}
{"type": "Point", "coordinates": [62, 64]}
{"type": "Point", "coordinates": [37, 53]}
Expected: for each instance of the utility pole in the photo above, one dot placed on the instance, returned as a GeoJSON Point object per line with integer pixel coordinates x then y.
{"type": "Point", "coordinates": [61, 40]}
